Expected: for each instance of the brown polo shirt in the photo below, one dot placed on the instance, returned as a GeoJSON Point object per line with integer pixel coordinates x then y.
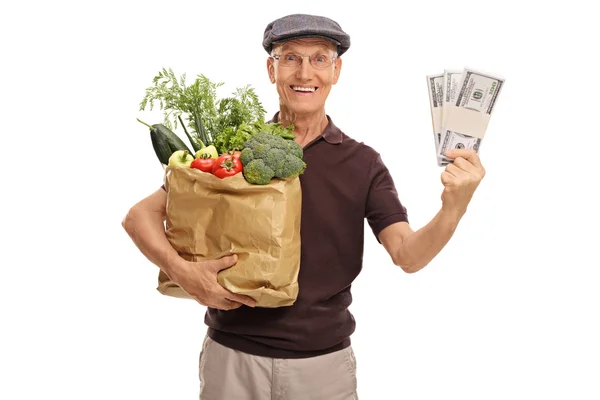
{"type": "Point", "coordinates": [344, 184]}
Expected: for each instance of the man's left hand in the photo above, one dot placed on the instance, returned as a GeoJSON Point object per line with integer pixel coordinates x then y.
{"type": "Point", "coordinates": [460, 179]}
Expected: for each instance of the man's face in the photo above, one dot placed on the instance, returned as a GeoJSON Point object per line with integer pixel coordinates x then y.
{"type": "Point", "coordinates": [293, 82]}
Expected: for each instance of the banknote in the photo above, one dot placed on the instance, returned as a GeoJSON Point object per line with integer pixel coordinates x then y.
{"type": "Point", "coordinates": [451, 82]}
{"type": "Point", "coordinates": [455, 140]}
{"type": "Point", "coordinates": [450, 91]}
{"type": "Point", "coordinates": [435, 86]}
{"type": "Point", "coordinates": [465, 119]}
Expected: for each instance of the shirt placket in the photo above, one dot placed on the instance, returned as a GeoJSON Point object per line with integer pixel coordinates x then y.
{"type": "Point", "coordinates": [280, 379]}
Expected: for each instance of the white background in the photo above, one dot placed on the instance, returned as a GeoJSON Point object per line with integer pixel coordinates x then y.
{"type": "Point", "coordinates": [508, 310]}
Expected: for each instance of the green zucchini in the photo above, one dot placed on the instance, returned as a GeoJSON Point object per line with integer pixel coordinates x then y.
{"type": "Point", "coordinates": [174, 141]}
{"type": "Point", "coordinates": [164, 141]}
{"type": "Point", "coordinates": [161, 146]}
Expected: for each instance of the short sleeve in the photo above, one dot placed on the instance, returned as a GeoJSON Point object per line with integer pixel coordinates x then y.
{"type": "Point", "coordinates": [383, 205]}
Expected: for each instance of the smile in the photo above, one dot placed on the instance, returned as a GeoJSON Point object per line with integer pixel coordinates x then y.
{"type": "Point", "coordinates": [304, 89]}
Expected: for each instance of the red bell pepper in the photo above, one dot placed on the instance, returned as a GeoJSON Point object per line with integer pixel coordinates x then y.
{"type": "Point", "coordinates": [203, 164]}
{"type": "Point", "coordinates": [226, 165]}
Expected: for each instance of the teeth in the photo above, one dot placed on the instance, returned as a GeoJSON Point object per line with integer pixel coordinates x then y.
{"type": "Point", "coordinates": [303, 89]}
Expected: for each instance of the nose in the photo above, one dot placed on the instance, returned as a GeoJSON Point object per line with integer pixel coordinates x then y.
{"type": "Point", "coordinates": [305, 70]}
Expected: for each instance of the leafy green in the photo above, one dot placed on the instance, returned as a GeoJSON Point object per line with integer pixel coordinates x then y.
{"type": "Point", "coordinates": [230, 139]}
{"type": "Point", "coordinates": [242, 107]}
{"type": "Point", "coordinates": [197, 102]}
{"type": "Point", "coordinates": [233, 139]}
{"type": "Point", "coordinates": [277, 129]}
{"type": "Point", "coordinates": [226, 123]}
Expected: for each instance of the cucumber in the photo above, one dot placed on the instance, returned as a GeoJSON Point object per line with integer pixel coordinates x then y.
{"type": "Point", "coordinates": [175, 143]}
{"type": "Point", "coordinates": [164, 141]}
{"type": "Point", "coordinates": [161, 146]}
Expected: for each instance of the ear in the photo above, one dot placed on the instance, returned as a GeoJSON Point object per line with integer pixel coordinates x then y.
{"type": "Point", "coordinates": [337, 70]}
{"type": "Point", "coordinates": [271, 69]}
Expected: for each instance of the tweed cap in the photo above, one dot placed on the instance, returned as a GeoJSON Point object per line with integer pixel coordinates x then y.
{"type": "Point", "coordinates": [297, 26]}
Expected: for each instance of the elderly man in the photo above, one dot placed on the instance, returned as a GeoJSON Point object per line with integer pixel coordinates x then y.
{"type": "Point", "coordinates": [304, 351]}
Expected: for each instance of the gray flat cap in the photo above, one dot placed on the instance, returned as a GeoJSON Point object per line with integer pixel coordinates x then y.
{"type": "Point", "coordinates": [298, 26]}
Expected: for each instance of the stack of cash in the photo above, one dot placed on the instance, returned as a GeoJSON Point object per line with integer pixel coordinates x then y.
{"type": "Point", "coordinates": [461, 105]}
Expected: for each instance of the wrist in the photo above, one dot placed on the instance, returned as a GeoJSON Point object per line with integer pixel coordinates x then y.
{"type": "Point", "coordinates": [175, 266]}
{"type": "Point", "coordinates": [451, 216]}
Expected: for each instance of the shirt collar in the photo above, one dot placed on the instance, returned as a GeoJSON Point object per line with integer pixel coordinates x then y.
{"type": "Point", "coordinates": [332, 134]}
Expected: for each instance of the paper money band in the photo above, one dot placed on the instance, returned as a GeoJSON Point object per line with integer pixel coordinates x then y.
{"type": "Point", "coordinates": [467, 122]}
{"type": "Point", "coordinates": [436, 116]}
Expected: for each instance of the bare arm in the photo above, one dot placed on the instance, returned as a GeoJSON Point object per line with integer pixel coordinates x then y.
{"type": "Point", "coordinates": [145, 225]}
{"type": "Point", "coordinates": [414, 250]}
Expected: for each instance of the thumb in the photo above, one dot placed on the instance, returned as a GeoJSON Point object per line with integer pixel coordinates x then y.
{"type": "Point", "coordinates": [225, 262]}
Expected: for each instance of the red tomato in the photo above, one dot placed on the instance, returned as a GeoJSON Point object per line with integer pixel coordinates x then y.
{"type": "Point", "coordinates": [235, 153]}
{"type": "Point", "coordinates": [203, 164]}
{"type": "Point", "coordinates": [226, 165]}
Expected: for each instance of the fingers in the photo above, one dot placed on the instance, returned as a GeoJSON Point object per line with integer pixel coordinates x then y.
{"type": "Point", "coordinates": [462, 166]}
{"type": "Point", "coordinates": [223, 263]}
{"type": "Point", "coordinates": [216, 296]}
{"type": "Point", "coordinates": [220, 299]}
{"type": "Point", "coordinates": [225, 305]}
{"type": "Point", "coordinates": [454, 170]}
{"type": "Point", "coordinates": [238, 298]}
{"type": "Point", "coordinates": [469, 155]}
{"type": "Point", "coordinates": [228, 305]}
{"type": "Point", "coordinates": [453, 174]}
{"type": "Point", "coordinates": [447, 177]}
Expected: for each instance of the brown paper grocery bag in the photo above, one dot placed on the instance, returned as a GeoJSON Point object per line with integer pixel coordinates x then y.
{"type": "Point", "coordinates": [208, 218]}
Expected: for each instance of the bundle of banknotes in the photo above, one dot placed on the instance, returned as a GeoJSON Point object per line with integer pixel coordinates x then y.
{"type": "Point", "coordinates": [461, 104]}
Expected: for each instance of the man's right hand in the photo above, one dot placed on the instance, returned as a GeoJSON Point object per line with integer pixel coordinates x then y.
{"type": "Point", "coordinates": [199, 280]}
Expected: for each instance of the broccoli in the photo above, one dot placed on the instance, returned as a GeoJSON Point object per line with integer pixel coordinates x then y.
{"type": "Point", "coordinates": [267, 155]}
{"type": "Point", "coordinates": [292, 167]}
{"type": "Point", "coordinates": [257, 172]}
{"type": "Point", "coordinates": [261, 150]}
{"type": "Point", "coordinates": [275, 159]}
{"type": "Point", "coordinates": [296, 149]}
{"type": "Point", "coordinates": [246, 155]}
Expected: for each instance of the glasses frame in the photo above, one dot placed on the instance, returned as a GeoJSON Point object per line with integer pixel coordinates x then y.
{"type": "Point", "coordinates": [302, 56]}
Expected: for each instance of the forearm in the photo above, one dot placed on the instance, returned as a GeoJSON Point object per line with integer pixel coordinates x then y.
{"type": "Point", "coordinates": [420, 247]}
{"type": "Point", "coordinates": [146, 229]}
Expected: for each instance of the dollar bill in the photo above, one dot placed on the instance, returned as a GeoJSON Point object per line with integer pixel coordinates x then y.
{"type": "Point", "coordinates": [455, 140]}
{"type": "Point", "coordinates": [478, 92]}
{"type": "Point", "coordinates": [450, 90]}
{"type": "Point", "coordinates": [435, 86]}
{"type": "Point", "coordinates": [451, 82]}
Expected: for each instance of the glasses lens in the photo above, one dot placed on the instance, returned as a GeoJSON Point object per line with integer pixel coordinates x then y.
{"type": "Point", "coordinates": [290, 60]}
{"type": "Point", "coordinates": [316, 60]}
{"type": "Point", "coordinates": [320, 60]}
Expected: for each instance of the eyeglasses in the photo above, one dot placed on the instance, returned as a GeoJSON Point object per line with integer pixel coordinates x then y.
{"type": "Point", "coordinates": [295, 60]}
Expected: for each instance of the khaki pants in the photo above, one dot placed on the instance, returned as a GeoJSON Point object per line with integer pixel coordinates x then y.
{"type": "Point", "coordinates": [227, 374]}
